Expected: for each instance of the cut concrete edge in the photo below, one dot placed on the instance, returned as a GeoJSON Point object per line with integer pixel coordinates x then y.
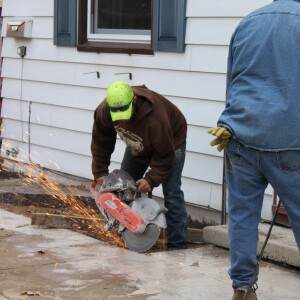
{"type": "Point", "coordinates": [195, 236]}
{"type": "Point", "coordinates": [35, 170]}
{"type": "Point", "coordinates": [199, 214]}
{"type": "Point", "coordinates": [280, 248]}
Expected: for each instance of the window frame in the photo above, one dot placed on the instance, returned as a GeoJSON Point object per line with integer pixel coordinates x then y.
{"type": "Point", "coordinates": [168, 28]}
{"type": "Point", "coordinates": [127, 33]}
{"type": "Point", "coordinates": [86, 45]}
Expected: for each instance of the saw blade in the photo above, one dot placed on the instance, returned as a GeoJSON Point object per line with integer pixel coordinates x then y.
{"type": "Point", "coordinates": [143, 241]}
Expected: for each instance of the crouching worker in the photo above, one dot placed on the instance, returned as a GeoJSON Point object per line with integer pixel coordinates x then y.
{"type": "Point", "coordinates": [259, 130]}
{"type": "Point", "coordinates": [154, 131]}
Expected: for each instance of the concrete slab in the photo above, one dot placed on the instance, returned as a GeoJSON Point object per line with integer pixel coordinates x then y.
{"type": "Point", "coordinates": [281, 246]}
{"type": "Point", "coordinates": [34, 187]}
{"type": "Point", "coordinates": [62, 264]}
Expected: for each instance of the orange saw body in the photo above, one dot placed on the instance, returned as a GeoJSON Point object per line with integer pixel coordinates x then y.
{"type": "Point", "coordinates": [121, 211]}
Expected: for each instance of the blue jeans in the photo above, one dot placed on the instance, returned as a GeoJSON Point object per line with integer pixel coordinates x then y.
{"type": "Point", "coordinates": [176, 216]}
{"type": "Point", "coordinates": [248, 173]}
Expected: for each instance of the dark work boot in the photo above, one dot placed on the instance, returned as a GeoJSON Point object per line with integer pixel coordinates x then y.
{"type": "Point", "coordinates": [240, 294]}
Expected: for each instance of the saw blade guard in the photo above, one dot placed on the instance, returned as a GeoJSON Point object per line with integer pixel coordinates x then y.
{"type": "Point", "coordinates": [150, 211]}
{"type": "Point", "coordinates": [154, 217]}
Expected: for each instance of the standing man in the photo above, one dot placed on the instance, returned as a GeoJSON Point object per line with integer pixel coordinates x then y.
{"type": "Point", "coordinates": [154, 131]}
{"type": "Point", "coordinates": [260, 128]}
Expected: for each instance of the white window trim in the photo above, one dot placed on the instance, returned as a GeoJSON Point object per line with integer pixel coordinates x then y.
{"type": "Point", "coordinates": [115, 37]}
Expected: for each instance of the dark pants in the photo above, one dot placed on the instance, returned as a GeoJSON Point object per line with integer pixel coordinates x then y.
{"type": "Point", "coordinates": [174, 198]}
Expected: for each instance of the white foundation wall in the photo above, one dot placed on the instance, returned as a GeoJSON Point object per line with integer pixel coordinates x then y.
{"type": "Point", "coordinates": [49, 99]}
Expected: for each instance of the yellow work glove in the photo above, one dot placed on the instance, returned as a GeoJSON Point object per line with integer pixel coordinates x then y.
{"type": "Point", "coordinates": [223, 135]}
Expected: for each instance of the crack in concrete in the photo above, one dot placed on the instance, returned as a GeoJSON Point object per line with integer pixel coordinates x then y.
{"type": "Point", "coordinates": [5, 296]}
{"type": "Point", "coordinates": [30, 266]}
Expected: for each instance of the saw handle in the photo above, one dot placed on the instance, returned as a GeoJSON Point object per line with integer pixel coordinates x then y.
{"type": "Point", "coordinates": [136, 185]}
{"type": "Point", "coordinates": [133, 187]}
{"type": "Point", "coordinates": [93, 187]}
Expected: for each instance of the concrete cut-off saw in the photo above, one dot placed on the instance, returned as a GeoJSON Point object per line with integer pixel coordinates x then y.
{"type": "Point", "coordinates": [137, 219]}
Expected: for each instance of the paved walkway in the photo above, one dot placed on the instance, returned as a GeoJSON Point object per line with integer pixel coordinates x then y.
{"type": "Point", "coordinates": [62, 264]}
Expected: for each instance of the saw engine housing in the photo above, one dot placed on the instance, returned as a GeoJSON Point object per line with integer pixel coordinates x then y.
{"type": "Point", "coordinates": [117, 209]}
{"type": "Point", "coordinates": [138, 219]}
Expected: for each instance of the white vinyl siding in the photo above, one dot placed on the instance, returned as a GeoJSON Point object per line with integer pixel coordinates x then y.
{"type": "Point", "coordinates": [64, 97]}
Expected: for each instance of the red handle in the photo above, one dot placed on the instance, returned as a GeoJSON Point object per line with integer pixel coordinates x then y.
{"type": "Point", "coordinates": [92, 187]}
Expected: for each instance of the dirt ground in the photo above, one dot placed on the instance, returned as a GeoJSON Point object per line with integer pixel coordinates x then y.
{"type": "Point", "coordinates": [26, 209]}
{"type": "Point", "coordinates": [21, 210]}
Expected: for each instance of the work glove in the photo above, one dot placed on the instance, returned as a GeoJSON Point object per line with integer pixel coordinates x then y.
{"type": "Point", "coordinates": [223, 135]}
{"type": "Point", "coordinates": [143, 186]}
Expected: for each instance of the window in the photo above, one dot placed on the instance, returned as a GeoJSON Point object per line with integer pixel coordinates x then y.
{"type": "Point", "coordinates": [120, 26]}
{"type": "Point", "coordinates": [119, 20]}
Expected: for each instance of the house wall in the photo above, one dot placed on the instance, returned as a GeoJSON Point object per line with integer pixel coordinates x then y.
{"type": "Point", "coordinates": [50, 89]}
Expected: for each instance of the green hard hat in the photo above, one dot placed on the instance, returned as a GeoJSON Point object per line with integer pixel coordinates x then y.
{"type": "Point", "coordinates": [119, 97]}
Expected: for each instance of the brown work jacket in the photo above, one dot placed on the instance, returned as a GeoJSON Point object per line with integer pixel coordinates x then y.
{"type": "Point", "coordinates": [155, 130]}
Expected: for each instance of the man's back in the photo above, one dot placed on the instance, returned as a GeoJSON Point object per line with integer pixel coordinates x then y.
{"type": "Point", "coordinates": [263, 87]}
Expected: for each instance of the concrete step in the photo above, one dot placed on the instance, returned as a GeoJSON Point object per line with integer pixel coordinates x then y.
{"type": "Point", "coordinates": [281, 247]}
